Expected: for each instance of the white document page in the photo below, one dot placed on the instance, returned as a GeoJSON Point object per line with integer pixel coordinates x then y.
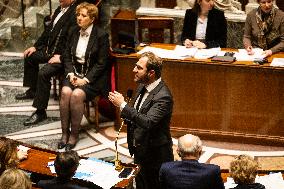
{"type": "Point", "coordinates": [182, 51]}
{"type": "Point", "coordinates": [163, 53]}
{"type": "Point", "coordinates": [277, 62]}
{"type": "Point", "coordinates": [207, 53]}
{"type": "Point", "coordinates": [242, 55]}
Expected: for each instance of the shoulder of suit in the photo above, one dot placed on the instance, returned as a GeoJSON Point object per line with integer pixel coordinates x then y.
{"type": "Point", "coordinates": [252, 12]}
{"type": "Point", "coordinates": [100, 31]}
{"type": "Point", "coordinates": [189, 11]}
{"type": "Point", "coordinates": [280, 13]}
{"type": "Point", "coordinates": [211, 166]}
{"type": "Point", "coordinates": [217, 11]}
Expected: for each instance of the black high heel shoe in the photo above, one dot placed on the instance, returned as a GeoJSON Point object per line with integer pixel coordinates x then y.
{"type": "Point", "coordinates": [69, 146]}
{"type": "Point", "coordinates": [61, 145]}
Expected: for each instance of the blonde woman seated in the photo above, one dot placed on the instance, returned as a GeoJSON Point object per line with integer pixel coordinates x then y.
{"type": "Point", "coordinates": [243, 170]}
{"type": "Point", "coordinates": [86, 69]}
{"type": "Point", "coordinates": [15, 179]}
{"type": "Point", "coordinates": [9, 154]}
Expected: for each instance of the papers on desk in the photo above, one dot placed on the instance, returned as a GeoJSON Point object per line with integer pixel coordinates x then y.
{"type": "Point", "coordinates": [23, 148]}
{"type": "Point", "coordinates": [271, 181]}
{"type": "Point", "coordinates": [163, 53]}
{"type": "Point", "coordinates": [278, 62]}
{"type": "Point", "coordinates": [207, 53]}
{"type": "Point", "coordinates": [99, 172]}
{"type": "Point", "coordinates": [242, 55]}
{"type": "Point", "coordinates": [181, 52]}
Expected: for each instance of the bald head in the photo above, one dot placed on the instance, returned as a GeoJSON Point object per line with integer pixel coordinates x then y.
{"type": "Point", "coordinates": [189, 147]}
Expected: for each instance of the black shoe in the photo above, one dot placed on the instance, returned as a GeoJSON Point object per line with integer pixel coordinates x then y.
{"type": "Point", "coordinates": [29, 94]}
{"type": "Point", "coordinates": [69, 147]}
{"type": "Point", "coordinates": [35, 118]}
{"type": "Point", "coordinates": [61, 145]}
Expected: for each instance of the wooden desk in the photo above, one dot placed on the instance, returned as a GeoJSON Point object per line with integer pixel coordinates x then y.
{"type": "Point", "coordinates": [241, 101]}
{"type": "Point", "coordinates": [38, 159]}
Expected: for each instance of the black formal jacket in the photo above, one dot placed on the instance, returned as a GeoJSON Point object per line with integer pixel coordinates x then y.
{"type": "Point", "coordinates": [54, 39]}
{"type": "Point", "coordinates": [97, 66]}
{"type": "Point", "coordinates": [58, 183]}
{"type": "Point", "coordinates": [190, 174]}
{"type": "Point", "coordinates": [216, 32]}
{"type": "Point", "coordinates": [150, 127]}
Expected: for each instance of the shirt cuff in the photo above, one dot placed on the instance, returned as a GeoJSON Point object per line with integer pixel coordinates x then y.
{"type": "Point", "coordinates": [123, 104]}
{"type": "Point", "coordinates": [86, 80]}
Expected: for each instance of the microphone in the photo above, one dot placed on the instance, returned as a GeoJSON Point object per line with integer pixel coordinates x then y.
{"type": "Point", "coordinates": [117, 162]}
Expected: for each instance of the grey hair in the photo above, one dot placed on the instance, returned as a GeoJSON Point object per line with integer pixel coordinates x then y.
{"type": "Point", "coordinates": [194, 148]}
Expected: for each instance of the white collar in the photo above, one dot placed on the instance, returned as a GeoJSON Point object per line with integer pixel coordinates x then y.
{"type": "Point", "coordinates": [152, 86]}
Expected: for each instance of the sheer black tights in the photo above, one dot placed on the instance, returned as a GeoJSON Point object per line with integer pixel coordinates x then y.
{"type": "Point", "coordinates": [71, 113]}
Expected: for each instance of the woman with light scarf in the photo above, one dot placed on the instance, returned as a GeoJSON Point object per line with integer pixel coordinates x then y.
{"type": "Point", "coordinates": [264, 28]}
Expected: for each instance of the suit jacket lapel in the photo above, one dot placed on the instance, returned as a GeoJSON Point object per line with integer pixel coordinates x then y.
{"type": "Point", "coordinates": [151, 96]}
{"type": "Point", "coordinates": [75, 41]}
{"type": "Point", "coordinates": [91, 43]}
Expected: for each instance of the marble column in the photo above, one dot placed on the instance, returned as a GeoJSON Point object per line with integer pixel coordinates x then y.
{"type": "Point", "coordinates": [252, 4]}
{"type": "Point", "coordinates": [148, 3]}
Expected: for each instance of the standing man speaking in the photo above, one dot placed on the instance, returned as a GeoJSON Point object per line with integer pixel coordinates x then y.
{"type": "Point", "coordinates": [148, 121]}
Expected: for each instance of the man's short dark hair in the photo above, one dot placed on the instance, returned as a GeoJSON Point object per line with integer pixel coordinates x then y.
{"type": "Point", "coordinates": [66, 164]}
{"type": "Point", "coordinates": [154, 63]}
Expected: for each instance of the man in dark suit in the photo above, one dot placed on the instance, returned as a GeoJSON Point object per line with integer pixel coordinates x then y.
{"type": "Point", "coordinates": [148, 122]}
{"type": "Point", "coordinates": [189, 173]}
{"type": "Point", "coordinates": [47, 50]}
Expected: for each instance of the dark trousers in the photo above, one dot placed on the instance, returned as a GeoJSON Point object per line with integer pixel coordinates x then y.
{"type": "Point", "coordinates": [44, 84]}
{"type": "Point", "coordinates": [148, 177]}
{"type": "Point", "coordinates": [31, 68]}
{"type": "Point", "coordinates": [39, 80]}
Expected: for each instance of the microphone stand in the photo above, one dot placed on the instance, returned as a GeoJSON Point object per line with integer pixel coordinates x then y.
{"type": "Point", "coordinates": [117, 162]}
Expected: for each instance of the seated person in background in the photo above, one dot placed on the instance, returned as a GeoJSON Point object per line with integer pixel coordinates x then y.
{"type": "Point", "coordinates": [86, 69]}
{"type": "Point", "coordinates": [189, 173]}
{"type": "Point", "coordinates": [66, 164]}
{"type": "Point", "coordinates": [47, 50]}
{"type": "Point", "coordinates": [243, 170]}
{"type": "Point", "coordinates": [9, 154]}
{"type": "Point", "coordinates": [15, 179]}
{"type": "Point", "coordinates": [264, 28]}
{"type": "Point", "coordinates": [204, 26]}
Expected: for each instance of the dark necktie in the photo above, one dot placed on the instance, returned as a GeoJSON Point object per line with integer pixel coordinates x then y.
{"type": "Point", "coordinates": [142, 92]}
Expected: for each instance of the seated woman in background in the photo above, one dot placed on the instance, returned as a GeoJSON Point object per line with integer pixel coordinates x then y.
{"type": "Point", "coordinates": [15, 179]}
{"type": "Point", "coordinates": [9, 154]}
{"type": "Point", "coordinates": [264, 28]}
{"type": "Point", "coordinates": [204, 26]}
{"type": "Point", "coordinates": [86, 67]}
{"type": "Point", "coordinates": [243, 170]}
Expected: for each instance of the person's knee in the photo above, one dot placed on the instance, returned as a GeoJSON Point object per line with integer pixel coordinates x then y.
{"type": "Point", "coordinates": [78, 95]}
{"type": "Point", "coordinates": [65, 92]}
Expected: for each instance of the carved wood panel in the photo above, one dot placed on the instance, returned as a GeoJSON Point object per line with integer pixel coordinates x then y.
{"type": "Point", "coordinates": [166, 3]}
